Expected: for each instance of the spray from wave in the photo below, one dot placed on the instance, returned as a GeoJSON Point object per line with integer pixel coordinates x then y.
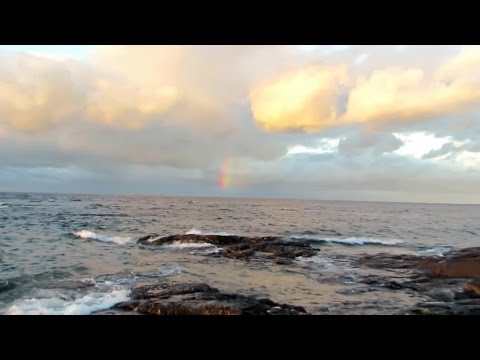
{"type": "Point", "coordinates": [87, 234]}
{"type": "Point", "coordinates": [58, 305]}
{"type": "Point", "coordinates": [199, 232]}
{"type": "Point", "coordinates": [347, 241]}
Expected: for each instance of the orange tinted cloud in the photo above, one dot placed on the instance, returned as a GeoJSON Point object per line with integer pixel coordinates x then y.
{"type": "Point", "coordinates": [305, 99]}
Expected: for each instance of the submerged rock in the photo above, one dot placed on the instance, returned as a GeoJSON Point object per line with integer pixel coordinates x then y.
{"type": "Point", "coordinates": [240, 247]}
{"type": "Point", "coordinates": [200, 299]}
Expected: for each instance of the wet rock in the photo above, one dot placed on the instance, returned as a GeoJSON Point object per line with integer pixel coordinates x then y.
{"type": "Point", "coordinates": [240, 247]}
{"type": "Point", "coordinates": [200, 299]}
{"type": "Point", "coordinates": [464, 263]}
{"type": "Point", "coordinates": [467, 310]}
{"type": "Point", "coordinates": [444, 295]}
{"type": "Point", "coordinates": [472, 288]}
{"type": "Point", "coordinates": [114, 312]}
{"type": "Point", "coordinates": [283, 262]}
{"type": "Point", "coordinates": [6, 285]}
{"type": "Point", "coordinates": [221, 240]}
{"type": "Point", "coordinates": [163, 291]}
{"type": "Point", "coordinates": [394, 285]}
{"type": "Point", "coordinates": [390, 261]}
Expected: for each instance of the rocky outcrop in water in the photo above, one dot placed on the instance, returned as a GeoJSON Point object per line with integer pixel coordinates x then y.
{"type": "Point", "coordinates": [241, 247]}
{"type": "Point", "coordinates": [449, 284]}
{"type": "Point", "coordinates": [199, 299]}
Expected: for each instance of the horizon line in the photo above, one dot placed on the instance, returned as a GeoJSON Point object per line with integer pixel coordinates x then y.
{"type": "Point", "coordinates": [233, 197]}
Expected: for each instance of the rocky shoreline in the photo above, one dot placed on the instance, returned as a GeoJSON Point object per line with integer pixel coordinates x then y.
{"type": "Point", "coordinates": [198, 299]}
{"type": "Point", "coordinates": [445, 285]}
{"type": "Point", "coordinates": [450, 284]}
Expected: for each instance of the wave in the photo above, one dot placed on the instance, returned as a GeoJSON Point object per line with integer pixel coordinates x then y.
{"type": "Point", "coordinates": [61, 306]}
{"type": "Point", "coordinates": [209, 248]}
{"type": "Point", "coordinates": [435, 251]}
{"type": "Point", "coordinates": [347, 241]}
{"type": "Point", "coordinates": [326, 264]}
{"type": "Point", "coordinates": [87, 234]}
{"type": "Point", "coordinates": [199, 232]}
{"type": "Point", "coordinates": [2, 204]}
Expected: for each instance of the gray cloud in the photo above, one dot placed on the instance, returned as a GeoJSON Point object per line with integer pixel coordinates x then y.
{"type": "Point", "coordinates": [362, 140]}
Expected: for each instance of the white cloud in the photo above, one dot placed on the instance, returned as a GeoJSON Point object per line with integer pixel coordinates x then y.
{"type": "Point", "coordinates": [418, 144]}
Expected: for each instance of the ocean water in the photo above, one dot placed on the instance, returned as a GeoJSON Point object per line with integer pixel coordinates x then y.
{"type": "Point", "coordinates": [76, 254]}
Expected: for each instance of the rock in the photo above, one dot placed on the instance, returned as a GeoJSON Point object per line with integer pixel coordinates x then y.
{"type": "Point", "coordinates": [460, 264]}
{"type": "Point", "coordinates": [200, 299]}
{"type": "Point", "coordinates": [283, 262]}
{"type": "Point", "coordinates": [467, 310]}
{"type": "Point", "coordinates": [444, 295]}
{"type": "Point", "coordinates": [114, 312]}
{"type": "Point", "coordinates": [6, 285]}
{"type": "Point", "coordinates": [240, 247]}
{"type": "Point", "coordinates": [162, 291]}
{"type": "Point", "coordinates": [222, 240]}
{"type": "Point", "coordinates": [473, 288]}
{"type": "Point", "coordinates": [394, 285]}
{"type": "Point", "coordinates": [390, 261]}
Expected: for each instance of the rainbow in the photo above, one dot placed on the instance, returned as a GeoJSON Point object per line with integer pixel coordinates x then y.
{"type": "Point", "coordinates": [225, 174]}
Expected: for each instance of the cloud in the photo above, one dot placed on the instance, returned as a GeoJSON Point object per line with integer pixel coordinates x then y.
{"type": "Point", "coordinates": [304, 100]}
{"type": "Point", "coordinates": [453, 148]}
{"type": "Point", "coordinates": [308, 99]}
{"type": "Point", "coordinates": [37, 93]}
{"type": "Point", "coordinates": [359, 142]}
{"type": "Point", "coordinates": [359, 122]}
{"type": "Point", "coordinates": [404, 94]}
{"type": "Point", "coordinates": [444, 150]}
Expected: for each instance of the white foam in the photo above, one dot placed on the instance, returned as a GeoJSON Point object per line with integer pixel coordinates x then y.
{"type": "Point", "coordinates": [199, 232]}
{"type": "Point", "coordinates": [182, 245]}
{"type": "Point", "coordinates": [87, 234]}
{"type": "Point", "coordinates": [326, 264]}
{"type": "Point", "coordinates": [202, 248]}
{"type": "Point", "coordinates": [3, 204]}
{"type": "Point", "coordinates": [59, 306]}
{"type": "Point", "coordinates": [435, 251]}
{"type": "Point", "coordinates": [193, 232]}
{"type": "Point", "coordinates": [348, 241]}
{"type": "Point", "coordinates": [152, 239]}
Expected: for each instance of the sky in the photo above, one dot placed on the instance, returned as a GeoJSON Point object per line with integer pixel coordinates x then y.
{"type": "Point", "coordinates": [336, 122]}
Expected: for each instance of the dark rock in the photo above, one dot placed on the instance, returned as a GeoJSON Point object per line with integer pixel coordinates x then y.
{"type": "Point", "coordinates": [6, 285]}
{"type": "Point", "coordinates": [393, 285]}
{"type": "Point", "coordinates": [221, 240]}
{"type": "Point", "coordinates": [467, 310]}
{"type": "Point", "coordinates": [444, 295]}
{"type": "Point", "coordinates": [166, 291]}
{"type": "Point", "coordinates": [473, 288]}
{"type": "Point", "coordinates": [283, 262]}
{"type": "Point", "coordinates": [241, 247]}
{"type": "Point", "coordinates": [114, 312]}
{"type": "Point", "coordinates": [390, 261]}
{"type": "Point", "coordinates": [200, 299]}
